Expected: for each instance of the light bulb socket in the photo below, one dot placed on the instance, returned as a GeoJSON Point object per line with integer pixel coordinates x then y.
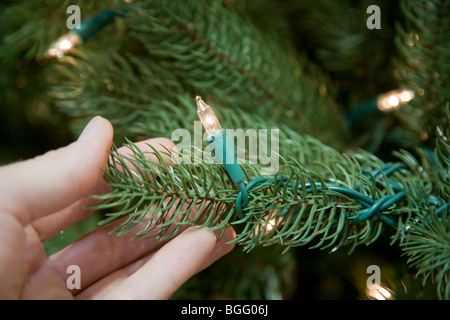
{"type": "Point", "coordinates": [225, 153]}
{"type": "Point", "coordinates": [92, 25]}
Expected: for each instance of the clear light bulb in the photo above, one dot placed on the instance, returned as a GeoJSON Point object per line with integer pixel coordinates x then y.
{"type": "Point", "coordinates": [394, 99]}
{"type": "Point", "coordinates": [63, 44]}
{"type": "Point", "coordinates": [207, 117]}
{"type": "Point", "coordinates": [270, 225]}
{"type": "Point", "coordinates": [378, 292]}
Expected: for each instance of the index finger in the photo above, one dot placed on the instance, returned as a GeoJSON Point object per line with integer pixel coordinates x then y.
{"type": "Point", "coordinates": [52, 224]}
{"type": "Point", "coordinates": [35, 188]}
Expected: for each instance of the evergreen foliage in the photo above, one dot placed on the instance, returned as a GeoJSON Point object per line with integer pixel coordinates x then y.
{"type": "Point", "coordinates": [162, 194]}
{"type": "Point", "coordinates": [423, 41]}
{"type": "Point", "coordinates": [177, 58]}
{"type": "Point", "coordinates": [246, 59]}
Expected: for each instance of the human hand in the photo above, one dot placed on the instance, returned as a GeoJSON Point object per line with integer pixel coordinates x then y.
{"type": "Point", "coordinates": [42, 196]}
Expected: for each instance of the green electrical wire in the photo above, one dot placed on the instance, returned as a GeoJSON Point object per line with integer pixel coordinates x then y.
{"type": "Point", "coordinates": [371, 206]}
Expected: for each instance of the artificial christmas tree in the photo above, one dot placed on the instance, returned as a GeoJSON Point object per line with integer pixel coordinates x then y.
{"type": "Point", "coordinates": [298, 67]}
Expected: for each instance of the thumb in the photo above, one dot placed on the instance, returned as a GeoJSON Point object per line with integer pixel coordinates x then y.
{"type": "Point", "coordinates": [34, 188]}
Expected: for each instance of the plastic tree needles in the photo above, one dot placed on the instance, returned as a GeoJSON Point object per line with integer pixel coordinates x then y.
{"type": "Point", "coordinates": [345, 199]}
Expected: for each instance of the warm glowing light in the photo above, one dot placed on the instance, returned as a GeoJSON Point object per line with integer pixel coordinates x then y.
{"type": "Point", "coordinates": [266, 226]}
{"type": "Point", "coordinates": [406, 96]}
{"type": "Point", "coordinates": [378, 292]}
{"type": "Point", "coordinates": [207, 117]}
{"type": "Point", "coordinates": [394, 99]}
{"type": "Point", "coordinates": [270, 225]}
{"type": "Point", "coordinates": [63, 45]}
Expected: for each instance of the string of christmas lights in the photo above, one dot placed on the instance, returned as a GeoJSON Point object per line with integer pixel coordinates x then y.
{"type": "Point", "coordinates": [225, 154]}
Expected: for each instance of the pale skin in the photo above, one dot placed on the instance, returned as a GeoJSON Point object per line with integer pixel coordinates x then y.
{"type": "Point", "coordinates": [42, 196]}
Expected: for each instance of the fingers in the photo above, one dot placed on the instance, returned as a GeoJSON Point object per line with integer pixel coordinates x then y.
{"type": "Point", "coordinates": [101, 252]}
{"type": "Point", "coordinates": [159, 275]}
{"type": "Point", "coordinates": [34, 188]}
{"type": "Point", "coordinates": [52, 224]}
{"type": "Point", "coordinates": [12, 238]}
{"type": "Point", "coordinates": [221, 249]}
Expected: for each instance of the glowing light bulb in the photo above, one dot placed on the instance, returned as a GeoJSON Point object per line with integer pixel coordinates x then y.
{"type": "Point", "coordinates": [270, 225]}
{"type": "Point", "coordinates": [378, 292]}
{"type": "Point", "coordinates": [207, 117]}
{"type": "Point", "coordinates": [406, 96]}
{"type": "Point", "coordinates": [63, 45]}
{"type": "Point", "coordinates": [394, 99]}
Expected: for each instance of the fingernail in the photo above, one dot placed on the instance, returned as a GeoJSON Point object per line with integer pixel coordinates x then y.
{"type": "Point", "coordinates": [211, 232]}
{"type": "Point", "coordinates": [90, 131]}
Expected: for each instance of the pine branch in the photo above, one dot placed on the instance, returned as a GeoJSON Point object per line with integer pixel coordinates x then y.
{"type": "Point", "coordinates": [428, 241]}
{"type": "Point", "coordinates": [355, 57]}
{"type": "Point", "coordinates": [300, 216]}
{"type": "Point", "coordinates": [180, 49]}
{"type": "Point", "coordinates": [423, 42]}
{"type": "Point", "coordinates": [168, 191]}
{"type": "Point", "coordinates": [161, 54]}
{"type": "Point", "coordinates": [428, 249]}
{"type": "Point", "coordinates": [165, 197]}
{"type": "Point", "coordinates": [31, 26]}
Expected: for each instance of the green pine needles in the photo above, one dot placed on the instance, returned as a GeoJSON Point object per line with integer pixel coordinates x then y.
{"type": "Point", "coordinates": [182, 48]}
{"type": "Point", "coordinates": [308, 203]}
{"type": "Point", "coordinates": [143, 71]}
{"type": "Point", "coordinates": [423, 42]}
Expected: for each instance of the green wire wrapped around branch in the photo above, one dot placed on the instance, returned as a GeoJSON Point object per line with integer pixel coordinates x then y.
{"type": "Point", "coordinates": [143, 69]}
{"type": "Point", "coordinates": [302, 205]}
